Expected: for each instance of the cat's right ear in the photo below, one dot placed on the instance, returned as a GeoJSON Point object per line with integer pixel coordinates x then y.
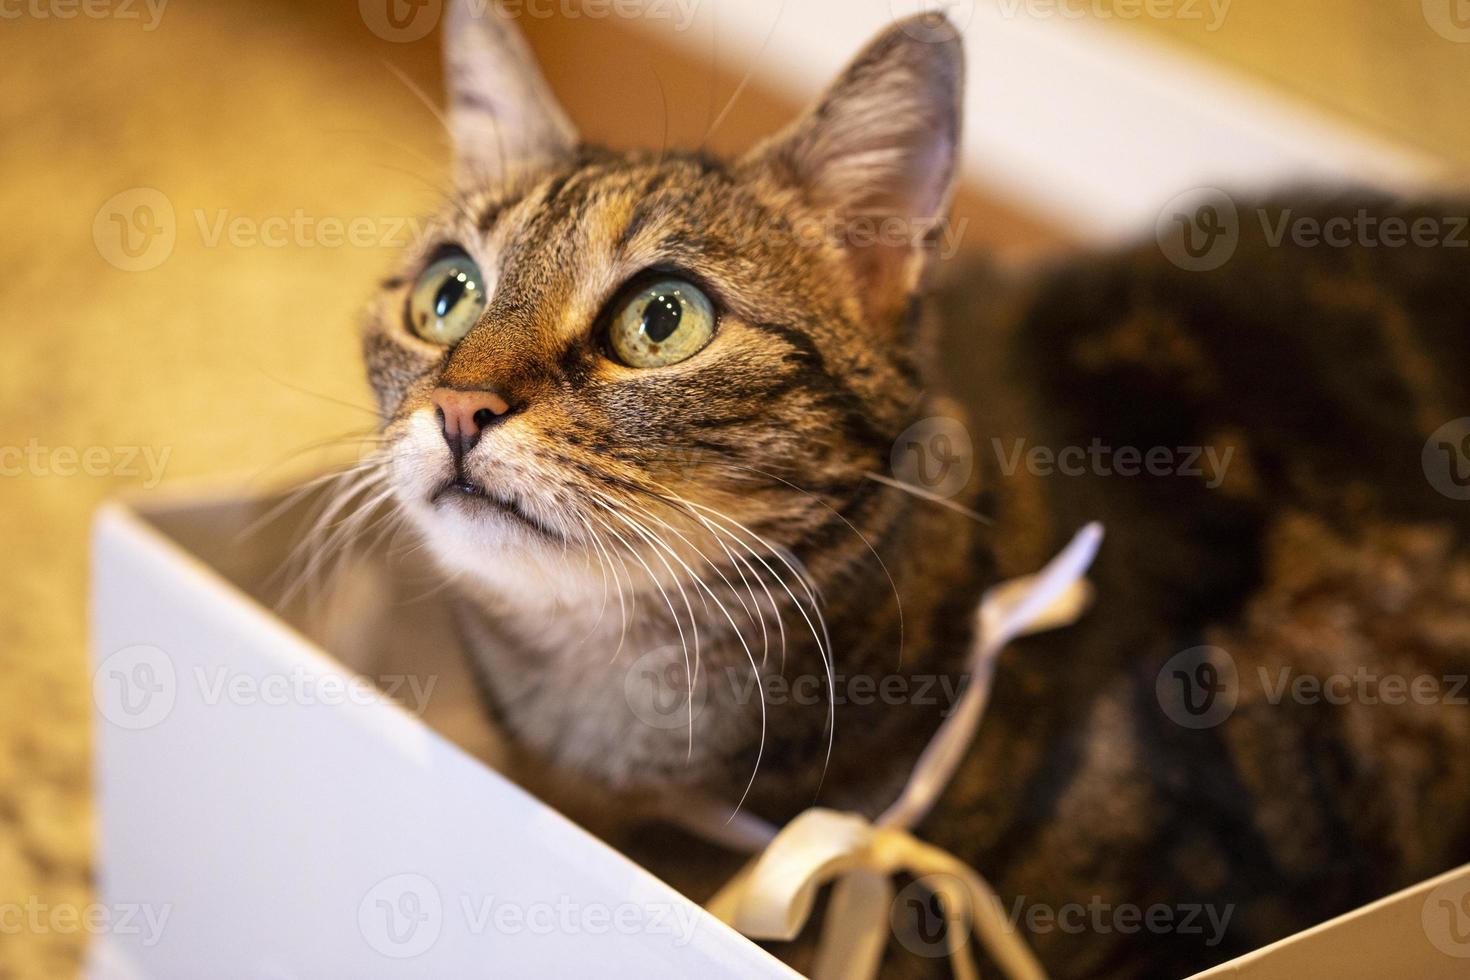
{"type": "Point", "coordinates": [879, 151]}
{"type": "Point", "coordinates": [502, 114]}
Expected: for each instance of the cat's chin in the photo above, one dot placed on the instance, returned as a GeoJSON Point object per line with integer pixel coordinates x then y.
{"type": "Point", "coordinates": [498, 550]}
{"type": "Point", "coordinates": [471, 508]}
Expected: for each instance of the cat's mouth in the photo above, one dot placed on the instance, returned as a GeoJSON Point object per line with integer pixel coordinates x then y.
{"type": "Point", "coordinates": [463, 492]}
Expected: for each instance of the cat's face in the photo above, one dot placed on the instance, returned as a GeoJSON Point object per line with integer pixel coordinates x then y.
{"type": "Point", "coordinates": [656, 356]}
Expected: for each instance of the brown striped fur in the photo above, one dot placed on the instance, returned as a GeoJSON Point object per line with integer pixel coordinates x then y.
{"type": "Point", "coordinates": [1322, 546]}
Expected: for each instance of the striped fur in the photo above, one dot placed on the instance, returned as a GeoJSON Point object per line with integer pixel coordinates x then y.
{"type": "Point", "coordinates": [710, 495]}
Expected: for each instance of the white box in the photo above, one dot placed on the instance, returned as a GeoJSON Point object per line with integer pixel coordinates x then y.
{"type": "Point", "coordinates": [1420, 933]}
{"type": "Point", "coordinates": [258, 819]}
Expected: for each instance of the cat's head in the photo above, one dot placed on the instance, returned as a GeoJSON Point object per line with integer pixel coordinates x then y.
{"type": "Point", "coordinates": [588, 349]}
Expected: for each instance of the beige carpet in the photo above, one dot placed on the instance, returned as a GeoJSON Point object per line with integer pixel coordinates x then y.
{"type": "Point", "coordinates": [244, 110]}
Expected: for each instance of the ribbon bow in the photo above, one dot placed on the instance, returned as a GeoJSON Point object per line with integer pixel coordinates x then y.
{"type": "Point", "coordinates": [772, 897]}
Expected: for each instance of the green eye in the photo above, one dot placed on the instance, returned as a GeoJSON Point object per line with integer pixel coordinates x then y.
{"type": "Point", "coordinates": [447, 299]}
{"type": "Point", "coordinates": [668, 322]}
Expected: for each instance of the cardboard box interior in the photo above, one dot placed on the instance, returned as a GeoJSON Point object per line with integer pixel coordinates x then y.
{"type": "Point", "coordinates": [378, 608]}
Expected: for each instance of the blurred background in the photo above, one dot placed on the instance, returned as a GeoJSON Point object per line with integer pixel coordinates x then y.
{"type": "Point", "coordinates": [199, 194]}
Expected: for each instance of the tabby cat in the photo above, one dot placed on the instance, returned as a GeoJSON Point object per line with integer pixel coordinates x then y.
{"type": "Point", "coordinates": [659, 417]}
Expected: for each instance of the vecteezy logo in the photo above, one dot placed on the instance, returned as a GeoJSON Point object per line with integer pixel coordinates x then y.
{"type": "Point", "coordinates": [135, 687]}
{"type": "Point", "coordinates": [935, 455]}
{"type": "Point", "coordinates": [1199, 230]}
{"type": "Point", "coordinates": [135, 230]}
{"type": "Point", "coordinates": [1456, 457]}
{"type": "Point", "coordinates": [1198, 688]}
{"type": "Point", "coordinates": [657, 688]}
{"type": "Point", "coordinates": [930, 28]}
{"type": "Point", "coordinates": [1446, 459]}
{"type": "Point", "coordinates": [1449, 18]}
{"type": "Point", "coordinates": [401, 916]}
{"type": "Point", "coordinates": [1446, 918]}
{"type": "Point", "coordinates": [684, 462]}
{"type": "Point", "coordinates": [400, 21]}
{"type": "Point", "coordinates": [918, 919]}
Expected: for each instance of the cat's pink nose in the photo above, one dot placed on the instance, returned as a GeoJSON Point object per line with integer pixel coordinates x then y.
{"type": "Point", "coordinates": [464, 415]}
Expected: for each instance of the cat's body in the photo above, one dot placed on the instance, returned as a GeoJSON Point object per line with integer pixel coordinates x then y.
{"type": "Point", "coordinates": [1321, 550]}
{"type": "Point", "coordinates": [602, 498]}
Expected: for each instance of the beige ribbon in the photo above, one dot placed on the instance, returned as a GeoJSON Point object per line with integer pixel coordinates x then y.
{"type": "Point", "coordinates": [772, 897]}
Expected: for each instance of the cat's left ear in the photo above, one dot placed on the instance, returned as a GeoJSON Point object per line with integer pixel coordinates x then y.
{"type": "Point", "coordinates": [877, 154]}
{"type": "Point", "coordinates": [502, 114]}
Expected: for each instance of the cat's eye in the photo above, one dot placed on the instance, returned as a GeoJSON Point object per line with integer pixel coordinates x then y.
{"type": "Point", "coordinates": [447, 299]}
{"type": "Point", "coordinates": [666, 322]}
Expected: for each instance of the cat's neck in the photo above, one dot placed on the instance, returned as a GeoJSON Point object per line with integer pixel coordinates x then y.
{"type": "Point", "coordinates": [595, 684]}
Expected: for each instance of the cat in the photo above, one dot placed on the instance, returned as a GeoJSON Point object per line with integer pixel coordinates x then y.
{"type": "Point", "coordinates": [657, 416]}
